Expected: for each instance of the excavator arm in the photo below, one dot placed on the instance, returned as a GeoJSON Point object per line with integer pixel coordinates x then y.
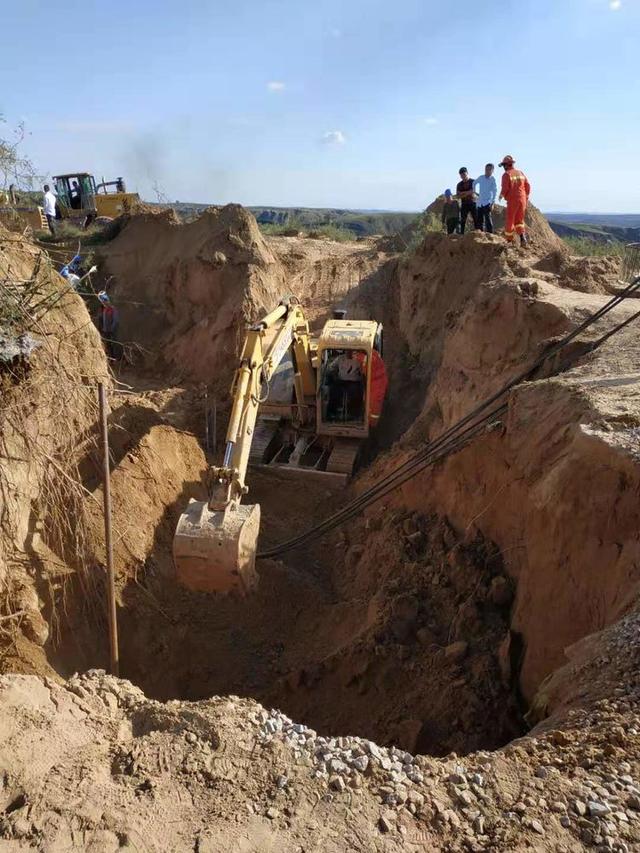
{"type": "Point", "coordinates": [214, 545]}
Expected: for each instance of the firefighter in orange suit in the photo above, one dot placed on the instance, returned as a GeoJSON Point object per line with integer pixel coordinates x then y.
{"type": "Point", "coordinates": [515, 190]}
{"type": "Point", "coordinates": [379, 382]}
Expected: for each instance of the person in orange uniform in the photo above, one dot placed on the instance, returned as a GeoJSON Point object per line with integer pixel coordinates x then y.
{"type": "Point", "coordinates": [515, 190]}
{"type": "Point", "coordinates": [379, 382]}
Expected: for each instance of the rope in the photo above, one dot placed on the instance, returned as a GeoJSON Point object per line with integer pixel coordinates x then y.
{"type": "Point", "coordinates": [457, 436]}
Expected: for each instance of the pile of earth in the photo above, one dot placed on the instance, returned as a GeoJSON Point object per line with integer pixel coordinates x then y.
{"type": "Point", "coordinates": [186, 291]}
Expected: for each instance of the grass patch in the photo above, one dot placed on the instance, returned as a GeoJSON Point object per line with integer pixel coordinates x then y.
{"type": "Point", "coordinates": [293, 227]}
{"type": "Point", "coordinates": [67, 232]}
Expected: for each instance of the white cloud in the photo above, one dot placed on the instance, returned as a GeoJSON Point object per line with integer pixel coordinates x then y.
{"type": "Point", "coordinates": [275, 86]}
{"type": "Point", "coordinates": [614, 5]}
{"type": "Point", "coordinates": [334, 137]}
{"type": "Point", "coordinates": [430, 120]}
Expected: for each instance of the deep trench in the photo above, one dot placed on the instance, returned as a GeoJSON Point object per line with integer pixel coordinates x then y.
{"type": "Point", "coordinates": [392, 630]}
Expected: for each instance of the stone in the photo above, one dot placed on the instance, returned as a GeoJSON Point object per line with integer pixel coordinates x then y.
{"type": "Point", "coordinates": [272, 813]}
{"type": "Point", "coordinates": [579, 808]}
{"type": "Point", "coordinates": [597, 809]}
{"type": "Point", "coordinates": [634, 802]}
{"type": "Point", "coordinates": [385, 823]}
{"type": "Point", "coordinates": [520, 808]}
{"type": "Point", "coordinates": [558, 806]}
{"type": "Point", "coordinates": [465, 798]}
{"type": "Point", "coordinates": [536, 826]}
{"type": "Point", "coordinates": [457, 778]}
{"type": "Point", "coordinates": [478, 825]}
{"type": "Point", "coordinates": [337, 783]}
{"type": "Point", "coordinates": [282, 782]}
{"type": "Point", "coordinates": [190, 737]}
{"type": "Point", "coordinates": [500, 591]}
{"type": "Point", "coordinates": [565, 821]}
{"type": "Point", "coordinates": [455, 652]}
{"type": "Point", "coordinates": [360, 763]}
{"type": "Point", "coordinates": [542, 773]}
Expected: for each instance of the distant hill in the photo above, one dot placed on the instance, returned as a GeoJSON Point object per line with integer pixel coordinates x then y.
{"type": "Point", "coordinates": [598, 227]}
{"type": "Point", "coordinates": [361, 223]}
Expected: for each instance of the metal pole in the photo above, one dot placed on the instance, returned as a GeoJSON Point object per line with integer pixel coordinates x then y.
{"type": "Point", "coordinates": [207, 440]}
{"type": "Point", "coordinates": [215, 424]}
{"type": "Point", "coordinates": [114, 660]}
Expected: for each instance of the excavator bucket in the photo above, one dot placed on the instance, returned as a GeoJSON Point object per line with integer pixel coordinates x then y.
{"type": "Point", "coordinates": [215, 551]}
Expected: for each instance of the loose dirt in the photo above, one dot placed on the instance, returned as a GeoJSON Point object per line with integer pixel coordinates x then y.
{"type": "Point", "coordinates": [401, 662]}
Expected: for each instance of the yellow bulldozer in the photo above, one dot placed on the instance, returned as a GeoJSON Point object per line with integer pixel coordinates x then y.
{"type": "Point", "coordinates": [317, 400]}
{"type": "Point", "coordinates": [79, 199]}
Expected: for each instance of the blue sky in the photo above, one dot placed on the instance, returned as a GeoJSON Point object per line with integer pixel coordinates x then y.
{"type": "Point", "coordinates": [366, 104]}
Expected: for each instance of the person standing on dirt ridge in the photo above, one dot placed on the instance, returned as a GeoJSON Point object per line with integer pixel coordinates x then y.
{"type": "Point", "coordinates": [451, 213]}
{"type": "Point", "coordinates": [487, 190]}
{"type": "Point", "coordinates": [465, 193]}
{"type": "Point", "coordinates": [515, 190]}
{"type": "Point", "coordinates": [49, 205]}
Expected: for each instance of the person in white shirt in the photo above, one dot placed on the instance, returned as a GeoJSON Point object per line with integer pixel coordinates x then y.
{"type": "Point", "coordinates": [487, 189]}
{"type": "Point", "coordinates": [50, 208]}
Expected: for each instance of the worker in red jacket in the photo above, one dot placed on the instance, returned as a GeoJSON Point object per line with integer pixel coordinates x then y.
{"type": "Point", "coordinates": [378, 386]}
{"type": "Point", "coordinates": [515, 190]}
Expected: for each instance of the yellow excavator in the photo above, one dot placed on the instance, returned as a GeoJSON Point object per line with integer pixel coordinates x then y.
{"type": "Point", "coordinates": [317, 399]}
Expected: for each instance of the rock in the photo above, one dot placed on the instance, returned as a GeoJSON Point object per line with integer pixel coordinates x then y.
{"type": "Point", "coordinates": [558, 806]}
{"type": "Point", "coordinates": [457, 778]}
{"type": "Point", "coordinates": [500, 592]}
{"type": "Point", "coordinates": [456, 651]}
{"type": "Point", "coordinates": [360, 763]}
{"type": "Point", "coordinates": [579, 808]}
{"type": "Point", "coordinates": [282, 782]}
{"type": "Point", "coordinates": [272, 813]}
{"type": "Point", "coordinates": [385, 823]}
{"type": "Point", "coordinates": [542, 773]}
{"type": "Point", "coordinates": [536, 826]}
{"type": "Point", "coordinates": [337, 783]}
{"type": "Point", "coordinates": [478, 825]}
{"type": "Point", "coordinates": [565, 821]}
{"type": "Point", "coordinates": [633, 802]}
{"type": "Point", "coordinates": [190, 737]}
{"type": "Point", "coordinates": [520, 808]}
{"type": "Point", "coordinates": [597, 809]}
{"type": "Point", "coordinates": [465, 798]}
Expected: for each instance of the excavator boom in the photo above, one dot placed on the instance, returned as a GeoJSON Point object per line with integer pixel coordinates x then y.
{"type": "Point", "coordinates": [214, 546]}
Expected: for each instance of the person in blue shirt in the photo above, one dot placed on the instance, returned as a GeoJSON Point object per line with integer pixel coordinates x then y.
{"type": "Point", "coordinates": [487, 189]}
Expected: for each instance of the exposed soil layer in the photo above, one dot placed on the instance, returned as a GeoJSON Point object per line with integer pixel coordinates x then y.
{"type": "Point", "coordinates": [431, 625]}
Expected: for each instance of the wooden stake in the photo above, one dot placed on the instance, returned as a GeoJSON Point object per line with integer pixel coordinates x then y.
{"type": "Point", "coordinates": [114, 659]}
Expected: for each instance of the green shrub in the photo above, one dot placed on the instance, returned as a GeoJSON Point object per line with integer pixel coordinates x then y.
{"type": "Point", "coordinates": [592, 248]}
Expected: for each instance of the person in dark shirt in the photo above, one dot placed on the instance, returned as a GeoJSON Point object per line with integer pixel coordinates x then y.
{"type": "Point", "coordinates": [467, 197]}
{"type": "Point", "coordinates": [451, 213]}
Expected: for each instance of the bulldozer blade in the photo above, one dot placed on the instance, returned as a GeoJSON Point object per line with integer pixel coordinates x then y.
{"type": "Point", "coordinates": [215, 551]}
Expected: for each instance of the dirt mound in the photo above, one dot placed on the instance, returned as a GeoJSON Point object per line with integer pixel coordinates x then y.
{"type": "Point", "coordinates": [185, 292]}
{"type": "Point", "coordinates": [543, 239]}
{"type": "Point", "coordinates": [113, 770]}
{"type": "Point", "coordinates": [51, 531]}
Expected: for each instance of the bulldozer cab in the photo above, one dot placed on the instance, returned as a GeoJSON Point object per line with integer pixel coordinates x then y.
{"type": "Point", "coordinates": [344, 376]}
{"type": "Point", "coordinates": [76, 194]}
